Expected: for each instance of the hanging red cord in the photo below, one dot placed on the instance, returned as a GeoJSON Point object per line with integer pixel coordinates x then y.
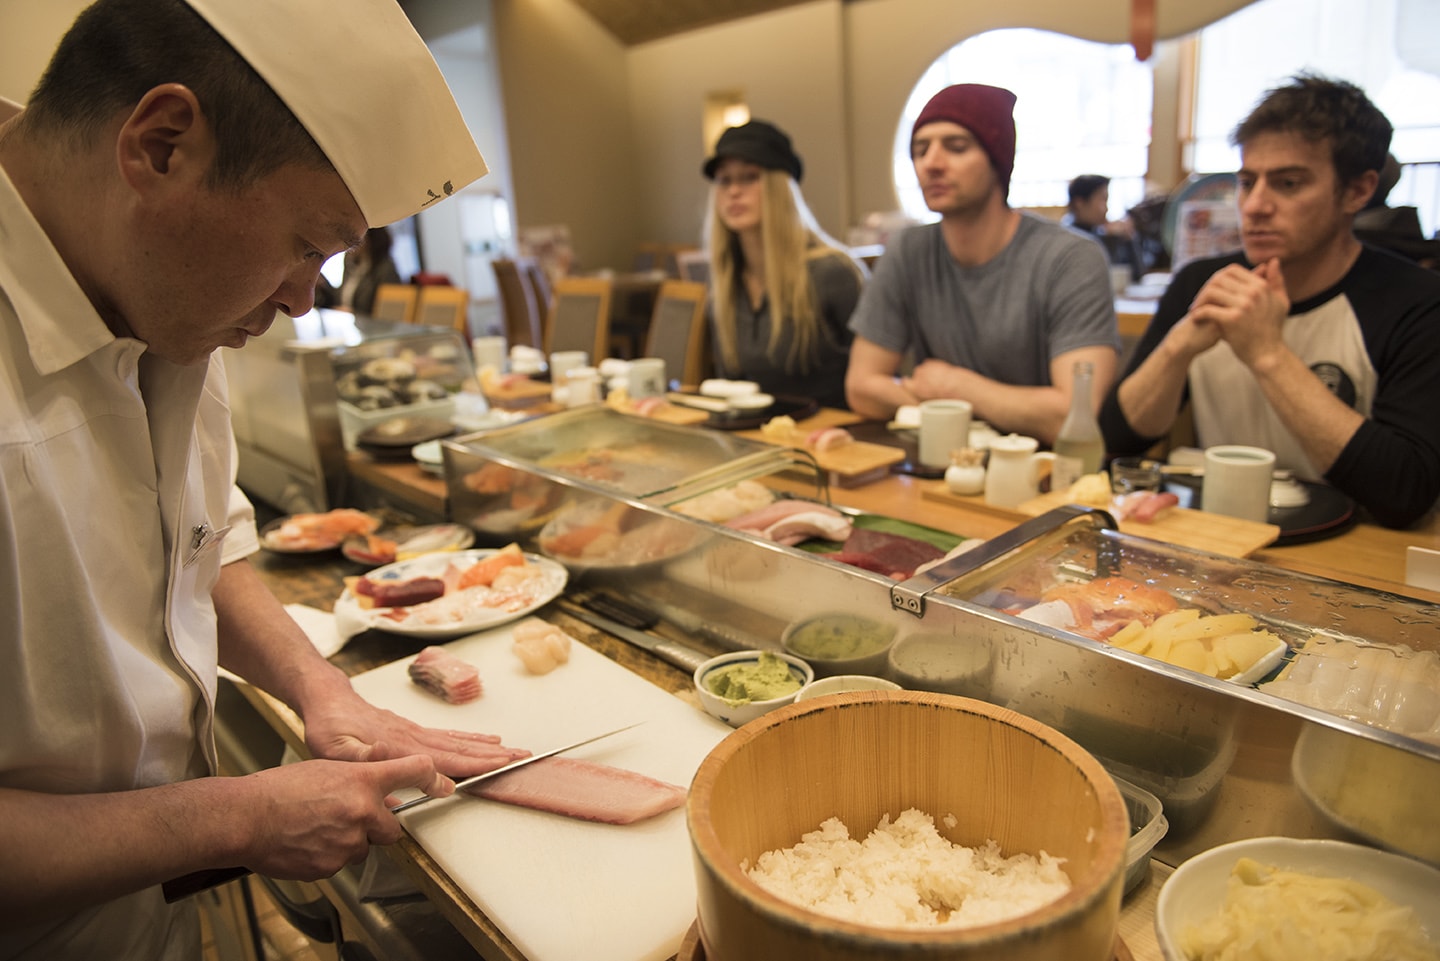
{"type": "Point", "coordinates": [1142, 28]}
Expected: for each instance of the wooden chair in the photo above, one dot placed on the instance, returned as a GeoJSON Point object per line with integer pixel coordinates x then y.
{"type": "Point", "coordinates": [444, 307]}
{"type": "Point", "coordinates": [517, 302]}
{"type": "Point", "coordinates": [534, 274]}
{"type": "Point", "coordinates": [396, 303]}
{"type": "Point", "coordinates": [677, 331]}
{"type": "Point", "coordinates": [580, 317]}
{"type": "Point", "coordinates": [693, 265]}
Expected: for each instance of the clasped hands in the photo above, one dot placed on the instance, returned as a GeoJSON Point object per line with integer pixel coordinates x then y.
{"type": "Point", "coordinates": [1245, 308]}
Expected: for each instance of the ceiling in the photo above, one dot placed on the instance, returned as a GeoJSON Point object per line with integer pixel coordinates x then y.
{"type": "Point", "coordinates": [638, 21]}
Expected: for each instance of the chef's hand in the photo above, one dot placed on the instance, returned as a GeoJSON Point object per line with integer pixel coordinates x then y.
{"type": "Point", "coordinates": [346, 727]}
{"type": "Point", "coordinates": [306, 821]}
{"type": "Point", "coordinates": [1247, 308]}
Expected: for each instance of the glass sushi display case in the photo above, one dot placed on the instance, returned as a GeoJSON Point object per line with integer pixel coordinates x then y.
{"type": "Point", "coordinates": [1249, 700]}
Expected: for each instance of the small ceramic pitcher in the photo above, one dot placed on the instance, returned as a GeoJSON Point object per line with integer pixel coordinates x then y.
{"type": "Point", "coordinates": [1013, 475]}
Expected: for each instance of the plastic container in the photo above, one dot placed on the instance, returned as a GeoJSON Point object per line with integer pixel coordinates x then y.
{"type": "Point", "coordinates": [354, 421]}
{"type": "Point", "coordinates": [1147, 827]}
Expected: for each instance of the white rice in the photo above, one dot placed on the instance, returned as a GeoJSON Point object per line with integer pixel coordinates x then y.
{"type": "Point", "coordinates": [905, 874]}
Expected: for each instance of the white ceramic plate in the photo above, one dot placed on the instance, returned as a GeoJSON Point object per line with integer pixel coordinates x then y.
{"type": "Point", "coordinates": [417, 621]}
{"type": "Point", "coordinates": [1196, 890]}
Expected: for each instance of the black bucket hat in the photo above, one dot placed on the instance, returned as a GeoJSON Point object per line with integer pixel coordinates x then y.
{"type": "Point", "coordinates": [760, 143]}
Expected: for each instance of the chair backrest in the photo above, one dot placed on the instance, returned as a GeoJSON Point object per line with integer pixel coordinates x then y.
{"type": "Point", "coordinates": [444, 307]}
{"type": "Point", "coordinates": [580, 317]}
{"type": "Point", "coordinates": [677, 331]}
{"type": "Point", "coordinates": [522, 313]}
{"type": "Point", "coordinates": [693, 265]}
{"type": "Point", "coordinates": [395, 303]}
{"type": "Point", "coordinates": [534, 274]}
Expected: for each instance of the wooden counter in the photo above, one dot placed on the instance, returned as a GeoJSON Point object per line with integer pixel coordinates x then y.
{"type": "Point", "coordinates": [1366, 555]}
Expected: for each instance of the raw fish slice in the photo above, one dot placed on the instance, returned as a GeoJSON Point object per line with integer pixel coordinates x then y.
{"type": "Point", "coordinates": [582, 789]}
{"type": "Point", "coordinates": [445, 675]}
{"type": "Point", "coordinates": [826, 525]}
{"type": "Point", "coordinates": [759, 520]}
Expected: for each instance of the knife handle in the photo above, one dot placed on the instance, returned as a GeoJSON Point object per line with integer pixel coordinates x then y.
{"type": "Point", "coordinates": [177, 889]}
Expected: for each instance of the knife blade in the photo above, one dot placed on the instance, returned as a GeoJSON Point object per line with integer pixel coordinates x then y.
{"type": "Point", "coordinates": [196, 881]}
{"type": "Point", "coordinates": [673, 652]}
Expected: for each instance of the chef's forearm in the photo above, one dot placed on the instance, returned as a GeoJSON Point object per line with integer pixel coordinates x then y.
{"type": "Point", "coordinates": [262, 643]}
{"type": "Point", "coordinates": [64, 852]}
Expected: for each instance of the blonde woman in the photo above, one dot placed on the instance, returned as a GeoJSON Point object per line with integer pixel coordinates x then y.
{"type": "Point", "coordinates": [781, 289]}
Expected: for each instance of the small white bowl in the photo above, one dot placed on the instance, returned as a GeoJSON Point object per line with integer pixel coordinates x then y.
{"type": "Point", "coordinates": [1196, 891]}
{"type": "Point", "coordinates": [736, 713]}
{"type": "Point", "coordinates": [843, 683]}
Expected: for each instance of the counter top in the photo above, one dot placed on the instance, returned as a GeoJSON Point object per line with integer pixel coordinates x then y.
{"type": "Point", "coordinates": [318, 582]}
{"type": "Point", "coordinates": [1366, 555]}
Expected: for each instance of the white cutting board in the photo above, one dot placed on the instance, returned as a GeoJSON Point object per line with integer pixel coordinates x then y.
{"type": "Point", "coordinates": [561, 888]}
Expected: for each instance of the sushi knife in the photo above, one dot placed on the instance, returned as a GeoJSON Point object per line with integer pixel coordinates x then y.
{"type": "Point", "coordinates": [673, 652]}
{"type": "Point", "coordinates": [196, 881]}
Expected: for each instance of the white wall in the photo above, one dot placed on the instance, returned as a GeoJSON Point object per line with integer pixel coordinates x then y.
{"type": "Point", "coordinates": [799, 85]}
{"type": "Point", "coordinates": [29, 31]}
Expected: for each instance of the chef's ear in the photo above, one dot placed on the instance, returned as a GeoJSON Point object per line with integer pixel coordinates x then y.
{"type": "Point", "coordinates": [166, 135]}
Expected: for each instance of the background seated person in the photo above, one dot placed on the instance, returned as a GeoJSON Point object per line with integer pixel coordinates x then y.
{"type": "Point", "coordinates": [782, 291]}
{"type": "Point", "coordinates": [1306, 342]}
{"type": "Point", "coordinates": [1089, 212]}
{"type": "Point", "coordinates": [366, 268]}
{"type": "Point", "coordinates": [995, 307]}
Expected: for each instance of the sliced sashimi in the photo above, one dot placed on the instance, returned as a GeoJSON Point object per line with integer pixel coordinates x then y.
{"type": "Point", "coordinates": [445, 675]}
{"type": "Point", "coordinates": [824, 524]}
{"type": "Point", "coordinates": [582, 789]}
{"type": "Point", "coordinates": [482, 573]}
{"type": "Point", "coordinates": [758, 520]}
{"type": "Point", "coordinates": [416, 590]}
{"type": "Point", "coordinates": [894, 555]}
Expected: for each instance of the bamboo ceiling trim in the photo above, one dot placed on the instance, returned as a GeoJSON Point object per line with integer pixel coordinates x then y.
{"type": "Point", "coordinates": [639, 21]}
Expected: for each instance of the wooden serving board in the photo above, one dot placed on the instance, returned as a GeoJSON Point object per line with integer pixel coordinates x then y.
{"type": "Point", "coordinates": [1181, 526]}
{"type": "Point", "coordinates": [847, 460]}
{"type": "Point", "coordinates": [669, 414]}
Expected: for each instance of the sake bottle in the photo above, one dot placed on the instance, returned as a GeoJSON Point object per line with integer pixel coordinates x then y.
{"type": "Point", "coordinates": [1079, 448]}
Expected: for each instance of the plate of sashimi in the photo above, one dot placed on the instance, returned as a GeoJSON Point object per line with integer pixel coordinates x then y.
{"type": "Point", "coordinates": [450, 594]}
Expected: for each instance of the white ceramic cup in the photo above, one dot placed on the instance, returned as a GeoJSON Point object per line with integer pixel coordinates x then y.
{"type": "Point", "coordinates": [646, 377]}
{"type": "Point", "coordinates": [489, 352]}
{"type": "Point", "coordinates": [582, 386]}
{"type": "Point", "coordinates": [944, 427]}
{"type": "Point", "coordinates": [564, 361]}
{"type": "Point", "coordinates": [1237, 482]}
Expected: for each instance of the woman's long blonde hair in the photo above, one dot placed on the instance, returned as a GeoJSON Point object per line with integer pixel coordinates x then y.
{"type": "Point", "coordinates": [791, 238]}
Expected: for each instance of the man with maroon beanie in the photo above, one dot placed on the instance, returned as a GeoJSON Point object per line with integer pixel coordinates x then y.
{"type": "Point", "coordinates": [991, 305]}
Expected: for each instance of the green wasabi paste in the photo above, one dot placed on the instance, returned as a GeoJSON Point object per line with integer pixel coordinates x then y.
{"type": "Point", "coordinates": [747, 681]}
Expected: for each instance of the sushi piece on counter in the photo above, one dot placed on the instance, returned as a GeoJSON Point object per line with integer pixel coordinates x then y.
{"type": "Point", "coordinates": [584, 790]}
{"type": "Point", "coordinates": [445, 675]}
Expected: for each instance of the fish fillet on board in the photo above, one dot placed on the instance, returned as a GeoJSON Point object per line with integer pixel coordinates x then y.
{"type": "Point", "coordinates": [583, 789]}
{"type": "Point", "coordinates": [558, 887]}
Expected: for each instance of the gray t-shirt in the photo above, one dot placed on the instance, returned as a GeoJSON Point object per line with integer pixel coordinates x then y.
{"type": "Point", "coordinates": [1046, 293]}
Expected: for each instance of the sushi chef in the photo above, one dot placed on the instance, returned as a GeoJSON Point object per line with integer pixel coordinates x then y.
{"type": "Point", "coordinates": [179, 175]}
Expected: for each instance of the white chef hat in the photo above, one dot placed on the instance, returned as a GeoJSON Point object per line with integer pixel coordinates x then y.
{"type": "Point", "coordinates": [362, 82]}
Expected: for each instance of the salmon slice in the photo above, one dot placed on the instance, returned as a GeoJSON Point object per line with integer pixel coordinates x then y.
{"type": "Point", "coordinates": [582, 789]}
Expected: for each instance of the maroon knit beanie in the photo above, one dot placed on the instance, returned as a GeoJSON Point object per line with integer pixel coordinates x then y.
{"type": "Point", "coordinates": [987, 112]}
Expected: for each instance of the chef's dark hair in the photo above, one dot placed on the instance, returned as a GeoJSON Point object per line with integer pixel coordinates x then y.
{"type": "Point", "coordinates": [1321, 109]}
{"type": "Point", "coordinates": [117, 50]}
